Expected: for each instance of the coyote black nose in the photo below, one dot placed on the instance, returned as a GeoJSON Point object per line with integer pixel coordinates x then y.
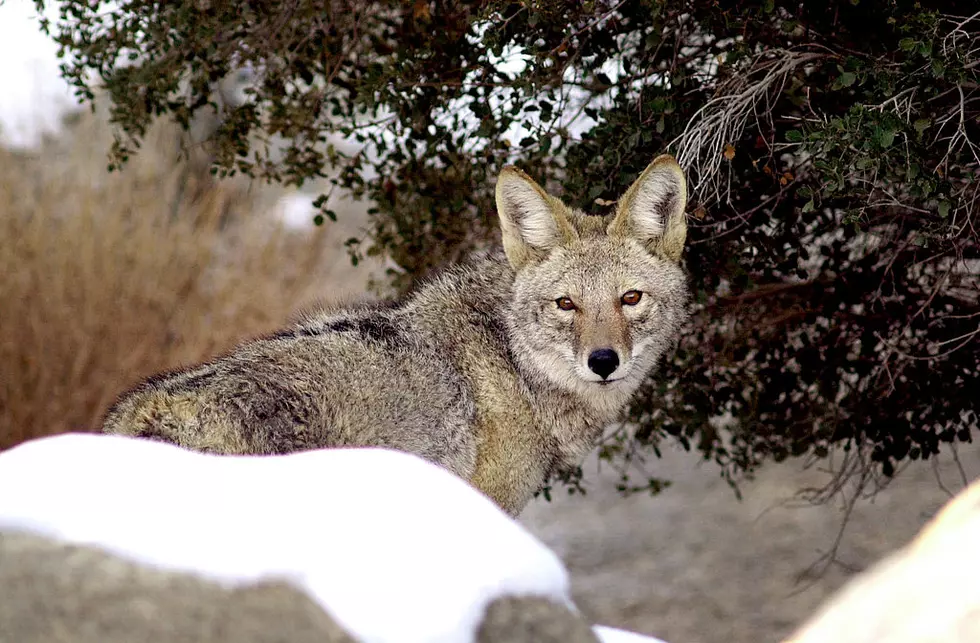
{"type": "Point", "coordinates": [603, 362]}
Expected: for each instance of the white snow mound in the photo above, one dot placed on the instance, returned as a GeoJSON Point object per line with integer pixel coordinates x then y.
{"type": "Point", "coordinates": [395, 548]}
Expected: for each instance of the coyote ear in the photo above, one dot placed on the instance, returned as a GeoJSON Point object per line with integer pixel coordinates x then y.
{"type": "Point", "coordinates": [652, 209]}
{"type": "Point", "coordinates": [532, 221]}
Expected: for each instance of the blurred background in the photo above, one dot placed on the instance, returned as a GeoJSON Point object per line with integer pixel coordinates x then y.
{"type": "Point", "coordinates": [106, 278]}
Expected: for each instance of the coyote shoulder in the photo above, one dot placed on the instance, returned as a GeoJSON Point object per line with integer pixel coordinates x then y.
{"type": "Point", "coordinates": [504, 369]}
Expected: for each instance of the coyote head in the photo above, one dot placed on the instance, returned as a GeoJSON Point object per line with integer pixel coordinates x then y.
{"type": "Point", "coordinates": [596, 299]}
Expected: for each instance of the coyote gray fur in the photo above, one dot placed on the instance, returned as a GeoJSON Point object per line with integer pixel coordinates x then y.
{"type": "Point", "coordinates": [504, 369]}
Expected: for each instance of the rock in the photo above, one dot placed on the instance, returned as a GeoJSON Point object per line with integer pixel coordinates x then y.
{"type": "Point", "coordinates": [532, 619]}
{"type": "Point", "coordinates": [54, 592]}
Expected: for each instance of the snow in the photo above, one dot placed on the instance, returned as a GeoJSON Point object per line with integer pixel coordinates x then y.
{"type": "Point", "coordinates": [613, 635]}
{"type": "Point", "coordinates": [363, 531]}
{"type": "Point", "coordinates": [296, 211]}
{"type": "Point", "coordinates": [33, 96]}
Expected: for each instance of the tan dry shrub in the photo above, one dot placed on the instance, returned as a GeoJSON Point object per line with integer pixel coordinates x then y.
{"type": "Point", "coordinates": [107, 278]}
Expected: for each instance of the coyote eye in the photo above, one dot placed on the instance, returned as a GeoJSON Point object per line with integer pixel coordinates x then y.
{"type": "Point", "coordinates": [565, 303]}
{"type": "Point", "coordinates": [631, 297]}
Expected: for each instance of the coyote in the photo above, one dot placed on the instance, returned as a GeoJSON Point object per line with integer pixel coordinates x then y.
{"type": "Point", "coordinates": [504, 369]}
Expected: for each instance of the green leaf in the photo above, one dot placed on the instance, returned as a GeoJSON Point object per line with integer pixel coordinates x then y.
{"type": "Point", "coordinates": [887, 137]}
{"type": "Point", "coordinates": [944, 209]}
{"type": "Point", "coordinates": [847, 78]}
{"type": "Point", "coordinates": [907, 44]}
{"type": "Point", "coordinates": [808, 206]}
{"type": "Point", "coordinates": [318, 220]}
{"type": "Point", "coordinates": [794, 136]}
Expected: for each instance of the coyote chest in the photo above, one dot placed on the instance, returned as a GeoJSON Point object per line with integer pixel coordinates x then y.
{"type": "Point", "coordinates": [519, 447]}
{"type": "Point", "coordinates": [524, 433]}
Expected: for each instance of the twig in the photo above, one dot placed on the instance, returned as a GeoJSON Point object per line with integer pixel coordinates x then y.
{"type": "Point", "coordinates": [720, 122]}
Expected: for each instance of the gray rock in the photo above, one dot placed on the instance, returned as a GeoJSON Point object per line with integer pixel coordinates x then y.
{"type": "Point", "coordinates": [52, 592]}
{"type": "Point", "coordinates": [531, 619]}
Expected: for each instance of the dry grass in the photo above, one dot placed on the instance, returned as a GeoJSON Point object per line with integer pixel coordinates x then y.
{"type": "Point", "coordinates": [105, 279]}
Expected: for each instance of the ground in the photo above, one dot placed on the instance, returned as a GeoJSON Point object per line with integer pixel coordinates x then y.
{"type": "Point", "coordinates": [696, 566]}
